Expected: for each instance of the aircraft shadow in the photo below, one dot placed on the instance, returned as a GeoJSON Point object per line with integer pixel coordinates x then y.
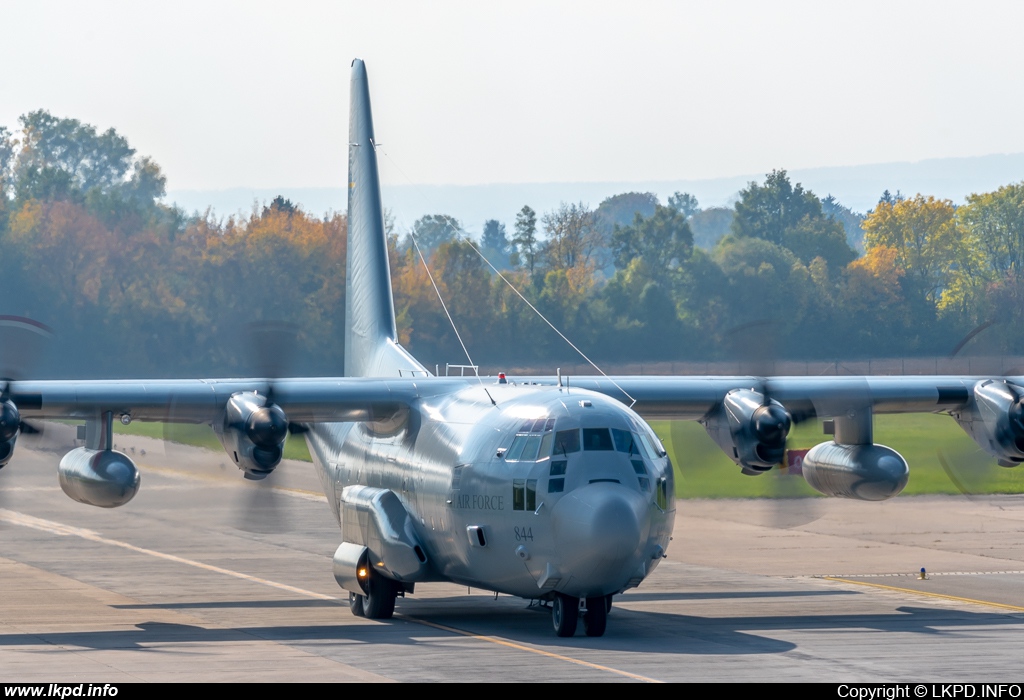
{"type": "Point", "coordinates": [628, 630]}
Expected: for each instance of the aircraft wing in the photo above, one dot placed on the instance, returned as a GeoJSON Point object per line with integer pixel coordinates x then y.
{"type": "Point", "coordinates": [203, 400]}
{"type": "Point", "coordinates": [693, 398]}
{"type": "Point", "coordinates": [749, 417]}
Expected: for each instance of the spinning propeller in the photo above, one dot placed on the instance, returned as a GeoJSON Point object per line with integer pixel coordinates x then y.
{"type": "Point", "coordinates": [974, 472]}
{"type": "Point", "coordinates": [23, 342]}
{"type": "Point", "coordinates": [260, 507]}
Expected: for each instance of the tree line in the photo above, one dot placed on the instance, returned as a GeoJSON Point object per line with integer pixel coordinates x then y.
{"type": "Point", "coordinates": [135, 287]}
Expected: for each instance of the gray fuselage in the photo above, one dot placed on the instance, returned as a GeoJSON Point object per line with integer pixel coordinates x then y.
{"type": "Point", "coordinates": [544, 490]}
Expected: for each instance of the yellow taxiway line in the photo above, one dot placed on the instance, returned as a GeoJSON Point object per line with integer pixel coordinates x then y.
{"type": "Point", "coordinates": [929, 594]}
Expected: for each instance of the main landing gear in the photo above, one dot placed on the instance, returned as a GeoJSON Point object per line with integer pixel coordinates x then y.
{"type": "Point", "coordinates": [565, 614]}
{"type": "Point", "coordinates": [379, 601]}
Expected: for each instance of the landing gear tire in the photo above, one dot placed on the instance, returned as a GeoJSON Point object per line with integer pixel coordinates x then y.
{"type": "Point", "coordinates": [380, 597]}
{"type": "Point", "coordinates": [356, 604]}
{"type": "Point", "coordinates": [608, 602]}
{"type": "Point", "coordinates": [565, 612]}
{"type": "Point", "coordinates": [595, 619]}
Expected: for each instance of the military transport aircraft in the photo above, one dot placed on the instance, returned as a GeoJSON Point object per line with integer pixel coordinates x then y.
{"type": "Point", "coordinates": [531, 487]}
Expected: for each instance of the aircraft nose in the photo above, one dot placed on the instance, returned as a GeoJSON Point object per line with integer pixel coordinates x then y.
{"type": "Point", "coordinates": [601, 530]}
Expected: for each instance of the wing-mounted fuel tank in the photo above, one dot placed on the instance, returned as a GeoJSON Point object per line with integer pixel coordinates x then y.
{"type": "Point", "coordinates": [751, 429]}
{"type": "Point", "coordinates": [852, 465]}
{"type": "Point", "coordinates": [376, 526]}
{"type": "Point", "coordinates": [253, 433]}
{"type": "Point", "coordinates": [863, 472]}
{"type": "Point", "coordinates": [103, 478]}
{"type": "Point", "coordinates": [995, 420]}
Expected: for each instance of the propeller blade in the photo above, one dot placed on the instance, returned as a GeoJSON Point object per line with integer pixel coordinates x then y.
{"type": "Point", "coordinates": [23, 342]}
{"type": "Point", "coordinates": [972, 472]}
{"type": "Point", "coordinates": [262, 509]}
{"type": "Point", "coordinates": [272, 347]}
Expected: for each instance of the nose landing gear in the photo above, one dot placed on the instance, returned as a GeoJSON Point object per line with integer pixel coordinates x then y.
{"type": "Point", "coordinates": [595, 619]}
{"type": "Point", "coordinates": [565, 615]}
{"type": "Point", "coordinates": [565, 611]}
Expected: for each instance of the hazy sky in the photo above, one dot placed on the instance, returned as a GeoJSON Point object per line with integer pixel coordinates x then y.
{"type": "Point", "coordinates": [255, 94]}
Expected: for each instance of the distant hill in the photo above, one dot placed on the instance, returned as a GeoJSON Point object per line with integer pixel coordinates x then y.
{"type": "Point", "coordinates": [857, 187]}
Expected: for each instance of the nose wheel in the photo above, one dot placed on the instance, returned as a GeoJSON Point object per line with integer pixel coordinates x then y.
{"type": "Point", "coordinates": [595, 619]}
{"type": "Point", "coordinates": [565, 612]}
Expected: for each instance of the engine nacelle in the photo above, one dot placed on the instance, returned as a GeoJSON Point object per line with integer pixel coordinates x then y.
{"type": "Point", "coordinates": [750, 429]}
{"type": "Point", "coordinates": [254, 433]}
{"type": "Point", "coordinates": [995, 421]}
{"type": "Point", "coordinates": [862, 472]}
{"type": "Point", "coordinates": [103, 478]}
{"type": "Point", "coordinates": [10, 425]}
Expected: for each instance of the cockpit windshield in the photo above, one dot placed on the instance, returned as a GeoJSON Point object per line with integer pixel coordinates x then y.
{"type": "Point", "coordinates": [533, 441]}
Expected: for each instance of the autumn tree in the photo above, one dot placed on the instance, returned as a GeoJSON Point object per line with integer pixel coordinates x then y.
{"type": "Point", "coordinates": [573, 243]}
{"type": "Point", "coordinates": [928, 240]}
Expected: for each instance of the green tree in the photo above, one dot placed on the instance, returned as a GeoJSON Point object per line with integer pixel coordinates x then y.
{"type": "Point", "coordinates": [7, 146]}
{"type": "Point", "coordinates": [432, 230]}
{"type": "Point", "coordinates": [771, 210]}
{"type": "Point", "coordinates": [525, 239]}
{"type": "Point", "coordinates": [710, 225]}
{"type": "Point", "coordinates": [684, 203]}
{"type": "Point", "coordinates": [663, 241]}
{"type": "Point", "coordinates": [495, 245]}
{"type": "Point", "coordinates": [64, 156]}
{"type": "Point", "coordinates": [850, 220]}
{"type": "Point", "coordinates": [995, 223]}
{"type": "Point", "coordinates": [621, 209]}
{"type": "Point", "coordinates": [791, 217]}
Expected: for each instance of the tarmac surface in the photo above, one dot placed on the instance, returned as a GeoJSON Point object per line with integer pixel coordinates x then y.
{"type": "Point", "coordinates": [206, 577]}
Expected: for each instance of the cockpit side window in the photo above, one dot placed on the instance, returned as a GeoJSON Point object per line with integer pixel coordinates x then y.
{"type": "Point", "coordinates": [625, 441]}
{"type": "Point", "coordinates": [567, 441]}
{"type": "Point", "coordinates": [648, 449]}
{"type": "Point", "coordinates": [597, 439]}
{"type": "Point", "coordinates": [545, 446]}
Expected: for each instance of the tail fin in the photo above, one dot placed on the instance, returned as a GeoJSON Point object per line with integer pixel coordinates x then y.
{"type": "Point", "coordinates": [371, 338]}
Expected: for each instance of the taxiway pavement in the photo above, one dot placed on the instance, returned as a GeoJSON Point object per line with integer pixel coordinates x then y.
{"type": "Point", "coordinates": [206, 577]}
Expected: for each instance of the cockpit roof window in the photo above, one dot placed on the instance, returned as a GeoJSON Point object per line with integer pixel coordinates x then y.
{"type": "Point", "coordinates": [597, 439]}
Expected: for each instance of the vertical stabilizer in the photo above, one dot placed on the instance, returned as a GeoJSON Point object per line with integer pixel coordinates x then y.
{"type": "Point", "coordinates": [371, 348]}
